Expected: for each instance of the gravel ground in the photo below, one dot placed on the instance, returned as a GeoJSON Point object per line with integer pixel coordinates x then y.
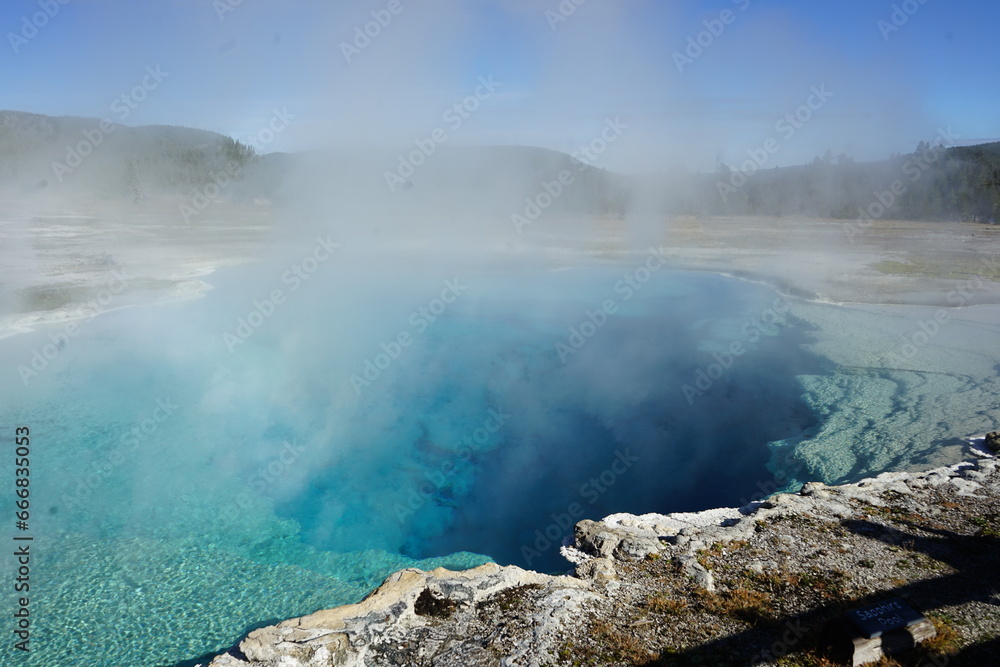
{"type": "Point", "coordinates": [55, 260]}
{"type": "Point", "coordinates": [759, 585]}
{"type": "Point", "coordinates": [933, 543]}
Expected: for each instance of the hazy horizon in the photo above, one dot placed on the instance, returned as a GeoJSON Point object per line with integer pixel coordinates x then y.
{"type": "Point", "coordinates": [679, 77]}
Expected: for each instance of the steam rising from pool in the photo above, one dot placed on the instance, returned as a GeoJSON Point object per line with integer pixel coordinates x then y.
{"type": "Point", "coordinates": [245, 458]}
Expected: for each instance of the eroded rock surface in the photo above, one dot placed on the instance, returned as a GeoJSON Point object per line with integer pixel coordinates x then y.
{"type": "Point", "coordinates": [662, 581]}
{"type": "Point", "coordinates": [490, 615]}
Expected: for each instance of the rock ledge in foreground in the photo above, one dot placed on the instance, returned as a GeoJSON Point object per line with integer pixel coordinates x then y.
{"type": "Point", "coordinates": [416, 617]}
{"type": "Point", "coordinates": [632, 571]}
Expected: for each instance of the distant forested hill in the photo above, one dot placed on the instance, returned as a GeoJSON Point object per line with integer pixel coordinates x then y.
{"type": "Point", "coordinates": [932, 183]}
{"type": "Point", "coordinates": [67, 156]}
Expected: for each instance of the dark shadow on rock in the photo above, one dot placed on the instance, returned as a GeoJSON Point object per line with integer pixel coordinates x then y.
{"type": "Point", "coordinates": [975, 558]}
{"type": "Point", "coordinates": [986, 653]}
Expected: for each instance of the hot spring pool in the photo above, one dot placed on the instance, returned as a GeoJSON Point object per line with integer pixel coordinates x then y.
{"type": "Point", "coordinates": [190, 482]}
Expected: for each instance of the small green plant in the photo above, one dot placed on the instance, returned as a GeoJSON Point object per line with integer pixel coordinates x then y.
{"type": "Point", "coordinates": [663, 604]}
{"type": "Point", "coordinates": [945, 641]}
{"type": "Point", "coordinates": [989, 525]}
{"type": "Point", "coordinates": [742, 603]}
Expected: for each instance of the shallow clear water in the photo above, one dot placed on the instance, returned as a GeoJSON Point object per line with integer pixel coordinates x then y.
{"type": "Point", "coordinates": [188, 487]}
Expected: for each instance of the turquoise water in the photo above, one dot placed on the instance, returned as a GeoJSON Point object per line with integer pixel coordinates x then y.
{"type": "Point", "coordinates": [187, 487]}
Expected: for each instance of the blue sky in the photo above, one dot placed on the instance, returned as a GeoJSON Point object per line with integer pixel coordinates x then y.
{"type": "Point", "coordinates": [230, 64]}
